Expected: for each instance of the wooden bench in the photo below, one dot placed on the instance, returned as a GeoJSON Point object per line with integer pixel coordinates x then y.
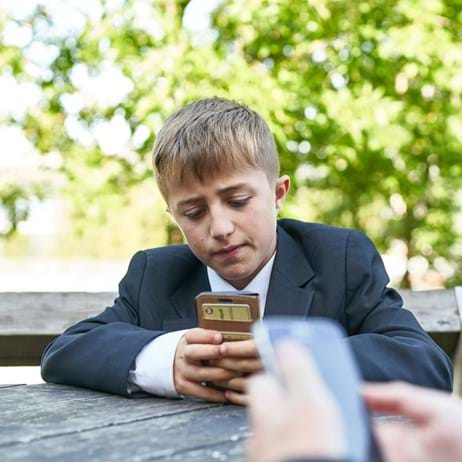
{"type": "Point", "coordinates": [28, 320]}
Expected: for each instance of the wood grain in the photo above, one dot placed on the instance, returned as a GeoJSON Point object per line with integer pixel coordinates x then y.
{"type": "Point", "coordinates": [48, 313]}
{"type": "Point", "coordinates": [55, 423]}
{"type": "Point", "coordinates": [30, 320]}
{"type": "Point", "coordinates": [436, 310]}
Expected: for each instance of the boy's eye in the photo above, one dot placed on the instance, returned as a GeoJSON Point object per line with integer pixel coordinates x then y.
{"type": "Point", "coordinates": [193, 214]}
{"type": "Point", "coordinates": [239, 201]}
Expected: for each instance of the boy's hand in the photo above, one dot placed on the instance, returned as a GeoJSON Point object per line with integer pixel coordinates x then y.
{"type": "Point", "coordinates": [241, 357]}
{"type": "Point", "coordinates": [191, 370]}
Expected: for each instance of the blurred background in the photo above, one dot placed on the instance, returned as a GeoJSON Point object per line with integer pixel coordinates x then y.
{"type": "Point", "coordinates": [364, 99]}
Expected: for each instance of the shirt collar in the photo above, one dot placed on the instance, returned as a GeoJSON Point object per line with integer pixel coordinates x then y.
{"type": "Point", "coordinates": [259, 284]}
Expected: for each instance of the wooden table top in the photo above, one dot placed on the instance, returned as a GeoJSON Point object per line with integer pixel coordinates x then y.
{"type": "Point", "coordinates": [62, 423]}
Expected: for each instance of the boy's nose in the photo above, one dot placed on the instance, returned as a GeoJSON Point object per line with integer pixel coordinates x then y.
{"type": "Point", "coordinates": [221, 226]}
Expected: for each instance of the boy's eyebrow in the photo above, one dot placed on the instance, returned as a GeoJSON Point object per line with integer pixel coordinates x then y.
{"type": "Point", "coordinates": [220, 191]}
{"type": "Point", "coordinates": [232, 188]}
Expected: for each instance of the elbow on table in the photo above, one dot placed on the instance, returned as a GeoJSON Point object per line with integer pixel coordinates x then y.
{"type": "Point", "coordinates": [428, 366]}
{"type": "Point", "coordinates": [439, 367]}
{"type": "Point", "coordinates": [51, 367]}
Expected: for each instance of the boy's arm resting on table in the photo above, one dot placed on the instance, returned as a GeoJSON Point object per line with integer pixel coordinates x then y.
{"type": "Point", "coordinates": [388, 342]}
{"type": "Point", "coordinates": [99, 352]}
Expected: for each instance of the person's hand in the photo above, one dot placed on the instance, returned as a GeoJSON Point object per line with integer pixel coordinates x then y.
{"type": "Point", "coordinates": [242, 358]}
{"type": "Point", "coordinates": [433, 432]}
{"type": "Point", "coordinates": [303, 421]}
{"type": "Point", "coordinates": [191, 369]}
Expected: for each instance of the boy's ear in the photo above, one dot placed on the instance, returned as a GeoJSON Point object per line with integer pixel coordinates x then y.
{"type": "Point", "coordinates": [281, 189]}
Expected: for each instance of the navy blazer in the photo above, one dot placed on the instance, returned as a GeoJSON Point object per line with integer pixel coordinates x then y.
{"type": "Point", "coordinates": [318, 271]}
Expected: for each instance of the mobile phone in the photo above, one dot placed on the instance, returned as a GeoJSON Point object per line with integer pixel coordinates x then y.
{"type": "Point", "coordinates": [325, 340]}
{"type": "Point", "coordinates": [231, 313]}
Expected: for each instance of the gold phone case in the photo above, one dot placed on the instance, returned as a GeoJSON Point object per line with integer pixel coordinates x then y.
{"type": "Point", "coordinates": [231, 313]}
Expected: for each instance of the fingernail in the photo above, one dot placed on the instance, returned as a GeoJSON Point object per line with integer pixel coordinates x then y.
{"type": "Point", "coordinates": [222, 349]}
{"type": "Point", "coordinates": [217, 337]}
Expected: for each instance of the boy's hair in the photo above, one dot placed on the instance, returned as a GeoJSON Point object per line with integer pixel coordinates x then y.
{"type": "Point", "coordinates": [211, 136]}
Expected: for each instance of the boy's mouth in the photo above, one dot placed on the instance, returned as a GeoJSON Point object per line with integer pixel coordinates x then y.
{"type": "Point", "coordinates": [228, 251]}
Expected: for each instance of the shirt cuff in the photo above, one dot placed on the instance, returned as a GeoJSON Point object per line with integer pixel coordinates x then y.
{"type": "Point", "coordinates": [153, 371]}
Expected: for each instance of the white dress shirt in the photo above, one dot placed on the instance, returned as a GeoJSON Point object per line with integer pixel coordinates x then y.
{"type": "Point", "coordinates": [153, 372]}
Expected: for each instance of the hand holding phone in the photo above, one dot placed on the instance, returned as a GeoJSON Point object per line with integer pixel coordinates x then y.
{"type": "Point", "coordinates": [192, 368]}
{"type": "Point", "coordinates": [325, 341]}
{"type": "Point", "coordinates": [232, 314]}
{"type": "Point", "coordinates": [298, 422]}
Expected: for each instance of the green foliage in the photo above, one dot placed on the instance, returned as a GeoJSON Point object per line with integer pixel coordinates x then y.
{"type": "Point", "coordinates": [15, 197]}
{"type": "Point", "coordinates": [364, 99]}
{"type": "Point", "coordinates": [372, 91]}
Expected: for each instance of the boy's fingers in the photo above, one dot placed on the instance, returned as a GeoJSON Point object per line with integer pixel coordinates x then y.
{"type": "Point", "coordinates": [403, 399]}
{"type": "Point", "coordinates": [234, 397]}
{"type": "Point", "coordinates": [199, 391]}
{"type": "Point", "coordinates": [236, 383]}
{"type": "Point", "coordinates": [242, 365]}
{"type": "Point", "coordinates": [239, 349]}
{"type": "Point", "coordinates": [199, 335]}
{"type": "Point", "coordinates": [200, 352]}
{"type": "Point", "coordinates": [207, 374]}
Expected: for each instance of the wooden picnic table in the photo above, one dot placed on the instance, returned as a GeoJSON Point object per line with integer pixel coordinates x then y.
{"type": "Point", "coordinates": [63, 423]}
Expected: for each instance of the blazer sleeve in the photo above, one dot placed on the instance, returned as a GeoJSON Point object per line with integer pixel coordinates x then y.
{"type": "Point", "coordinates": [98, 352]}
{"type": "Point", "coordinates": [387, 340]}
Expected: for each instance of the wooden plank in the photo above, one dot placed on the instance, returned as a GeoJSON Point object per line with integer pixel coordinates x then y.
{"type": "Point", "coordinates": [36, 395]}
{"type": "Point", "coordinates": [458, 355]}
{"type": "Point", "coordinates": [23, 350]}
{"type": "Point", "coordinates": [48, 313]}
{"type": "Point", "coordinates": [44, 394]}
{"type": "Point", "coordinates": [436, 310]}
{"type": "Point", "coordinates": [29, 321]}
{"type": "Point", "coordinates": [55, 422]}
{"type": "Point", "coordinates": [448, 341]}
{"type": "Point", "coordinates": [31, 414]}
{"type": "Point", "coordinates": [229, 451]}
{"type": "Point", "coordinates": [148, 439]}
{"type": "Point", "coordinates": [458, 295]}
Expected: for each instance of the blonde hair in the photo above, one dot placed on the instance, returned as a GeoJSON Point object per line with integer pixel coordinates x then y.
{"type": "Point", "coordinates": [211, 136]}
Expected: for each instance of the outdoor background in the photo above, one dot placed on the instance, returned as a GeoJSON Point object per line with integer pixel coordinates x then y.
{"type": "Point", "coordinates": [364, 99]}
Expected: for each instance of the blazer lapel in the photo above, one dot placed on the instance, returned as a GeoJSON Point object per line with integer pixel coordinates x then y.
{"type": "Point", "coordinates": [183, 299]}
{"type": "Point", "coordinates": [289, 291]}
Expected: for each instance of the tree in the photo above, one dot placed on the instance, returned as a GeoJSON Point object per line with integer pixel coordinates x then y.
{"type": "Point", "coordinates": [106, 91]}
{"type": "Point", "coordinates": [371, 125]}
{"type": "Point", "coordinates": [364, 99]}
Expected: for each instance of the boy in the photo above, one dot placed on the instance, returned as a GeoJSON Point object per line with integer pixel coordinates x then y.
{"type": "Point", "coordinates": [217, 167]}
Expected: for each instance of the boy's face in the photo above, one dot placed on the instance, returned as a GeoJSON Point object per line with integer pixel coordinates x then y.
{"type": "Point", "coordinates": [229, 221]}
